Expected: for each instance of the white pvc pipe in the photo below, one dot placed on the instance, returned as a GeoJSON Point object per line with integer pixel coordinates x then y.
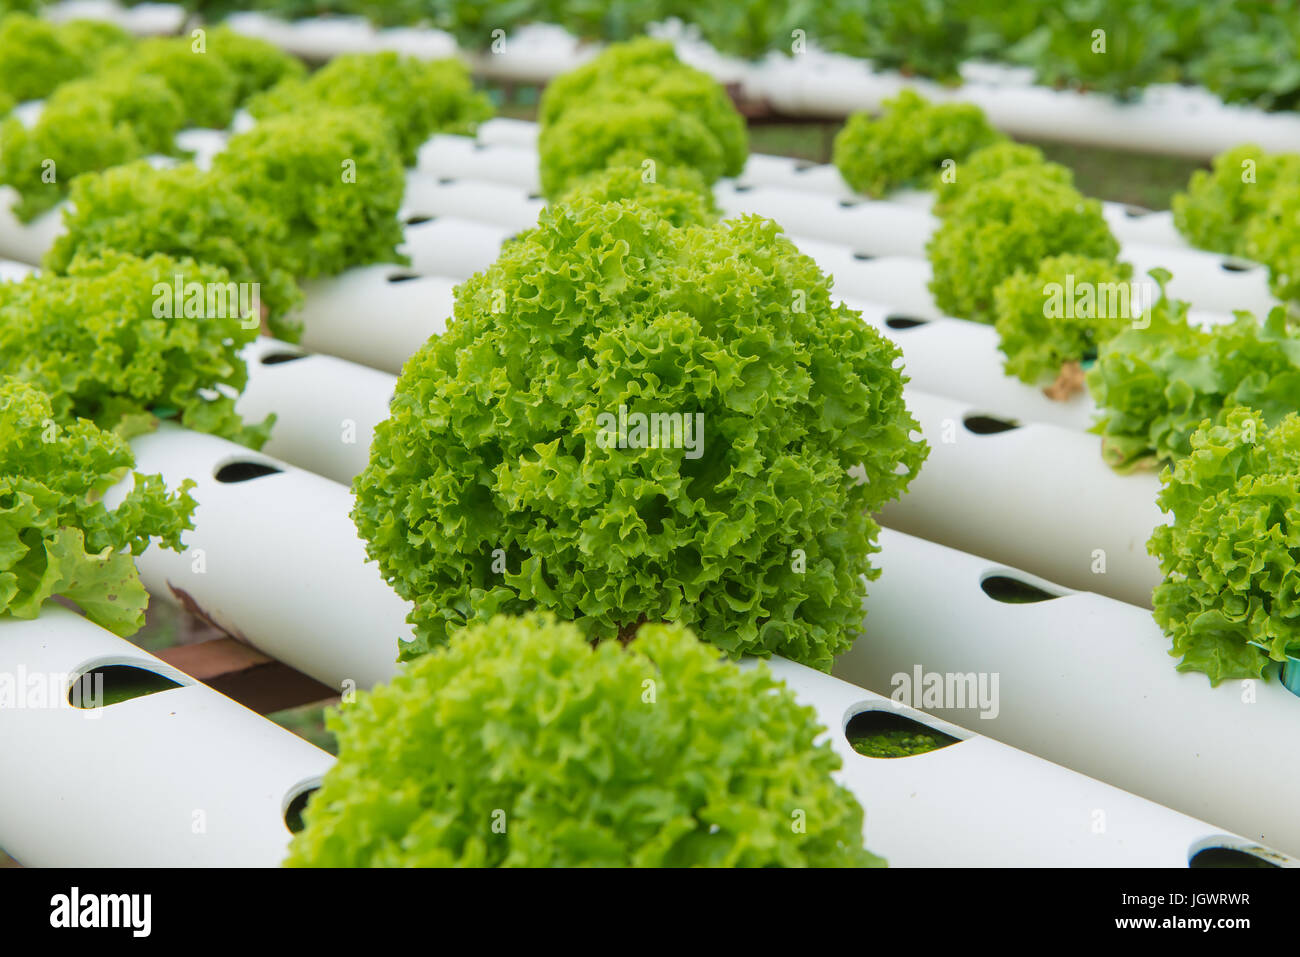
{"type": "Point", "coordinates": [273, 560]}
{"type": "Point", "coordinates": [145, 19]}
{"type": "Point", "coordinates": [1166, 119]}
{"type": "Point", "coordinates": [961, 360]}
{"type": "Point", "coordinates": [1037, 497]}
{"type": "Point", "coordinates": [464, 157]}
{"type": "Point", "coordinates": [453, 247]}
{"type": "Point", "coordinates": [509, 206]}
{"type": "Point", "coordinates": [506, 131]}
{"type": "Point", "coordinates": [326, 408]}
{"type": "Point", "coordinates": [979, 803]}
{"type": "Point", "coordinates": [376, 315]}
{"type": "Point", "coordinates": [1086, 682]}
{"type": "Point", "coordinates": [184, 777]}
{"type": "Point", "coordinates": [26, 242]}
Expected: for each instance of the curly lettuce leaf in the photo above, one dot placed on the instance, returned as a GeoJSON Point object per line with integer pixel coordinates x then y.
{"type": "Point", "coordinates": [56, 535]}
{"type": "Point", "coordinates": [1230, 599]}
{"type": "Point", "coordinates": [533, 729]}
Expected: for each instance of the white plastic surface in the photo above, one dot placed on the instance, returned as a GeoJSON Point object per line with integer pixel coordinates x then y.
{"type": "Point", "coordinates": [510, 206]}
{"type": "Point", "coordinates": [1086, 682]}
{"type": "Point", "coordinates": [453, 247]}
{"type": "Point", "coordinates": [179, 778]}
{"type": "Point", "coordinates": [274, 560]}
{"type": "Point", "coordinates": [326, 408]}
{"type": "Point", "coordinates": [1038, 497]}
{"type": "Point", "coordinates": [376, 315]}
{"type": "Point", "coordinates": [978, 803]}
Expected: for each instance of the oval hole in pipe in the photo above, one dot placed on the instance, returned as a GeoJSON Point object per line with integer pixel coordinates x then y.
{"type": "Point", "coordinates": [803, 166]}
{"type": "Point", "coordinates": [418, 220]}
{"type": "Point", "coordinates": [904, 322]}
{"type": "Point", "coordinates": [742, 187]}
{"type": "Point", "coordinates": [402, 276]}
{"type": "Point", "coordinates": [982, 424]}
{"type": "Point", "coordinates": [1237, 265]}
{"type": "Point", "coordinates": [1227, 857]}
{"type": "Point", "coordinates": [113, 684]}
{"type": "Point", "coordinates": [243, 471]}
{"type": "Point", "coordinates": [281, 357]}
{"type": "Point", "coordinates": [886, 734]}
{"type": "Point", "coordinates": [850, 203]}
{"type": "Point", "coordinates": [1136, 212]}
{"type": "Point", "coordinates": [534, 196]}
{"type": "Point", "coordinates": [446, 180]}
{"type": "Point", "coordinates": [1013, 591]}
{"type": "Point", "coordinates": [297, 804]}
{"type": "Point", "coordinates": [863, 257]}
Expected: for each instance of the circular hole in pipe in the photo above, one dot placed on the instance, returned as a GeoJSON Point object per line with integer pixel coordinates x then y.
{"type": "Point", "coordinates": [1013, 591]}
{"type": "Point", "coordinates": [886, 734]}
{"type": "Point", "coordinates": [904, 322]}
{"type": "Point", "coordinates": [232, 472]}
{"type": "Point", "coordinates": [297, 804]}
{"type": "Point", "coordinates": [1227, 857]}
{"type": "Point", "coordinates": [113, 684]}
{"type": "Point", "coordinates": [281, 357]}
{"type": "Point", "coordinates": [982, 424]}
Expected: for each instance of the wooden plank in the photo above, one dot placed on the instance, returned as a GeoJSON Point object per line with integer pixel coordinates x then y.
{"type": "Point", "coordinates": [240, 671]}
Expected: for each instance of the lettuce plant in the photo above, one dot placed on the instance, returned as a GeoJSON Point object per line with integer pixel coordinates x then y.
{"type": "Point", "coordinates": [1006, 224]}
{"type": "Point", "coordinates": [637, 101]}
{"type": "Point", "coordinates": [1229, 553]}
{"type": "Point", "coordinates": [86, 126]}
{"type": "Point", "coordinates": [926, 37]}
{"type": "Point", "coordinates": [908, 142]}
{"type": "Point", "coordinates": [206, 85]}
{"type": "Point", "coordinates": [1154, 386]}
{"type": "Point", "coordinates": [56, 535]}
{"type": "Point", "coordinates": [417, 98]}
{"type": "Point", "coordinates": [989, 163]}
{"type": "Point", "coordinates": [1251, 56]}
{"type": "Point", "coordinates": [678, 194]}
{"type": "Point", "coordinates": [509, 475]}
{"type": "Point", "coordinates": [1272, 237]}
{"type": "Point", "coordinates": [183, 213]}
{"type": "Point", "coordinates": [1219, 204]}
{"type": "Point", "coordinates": [121, 340]}
{"type": "Point", "coordinates": [36, 55]}
{"type": "Point", "coordinates": [519, 745]}
{"type": "Point", "coordinates": [257, 64]}
{"type": "Point", "coordinates": [332, 177]}
{"type": "Point", "coordinates": [1061, 313]}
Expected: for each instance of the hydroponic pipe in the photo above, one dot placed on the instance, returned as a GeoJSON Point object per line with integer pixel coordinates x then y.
{"type": "Point", "coordinates": [377, 315]}
{"type": "Point", "coordinates": [1166, 119]}
{"type": "Point", "coordinates": [1035, 496]}
{"type": "Point", "coordinates": [452, 247]}
{"type": "Point", "coordinates": [273, 559]}
{"type": "Point", "coordinates": [326, 408]}
{"type": "Point", "coordinates": [179, 777]}
{"type": "Point", "coordinates": [1084, 681]}
{"type": "Point", "coordinates": [979, 803]}
{"type": "Point", "coordinates": [513, 207]}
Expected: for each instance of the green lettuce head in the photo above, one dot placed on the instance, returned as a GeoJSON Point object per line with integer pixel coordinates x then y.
{"type": "Point", "coordinates": [1008, 224]}
{"type": "Point", "coordinates": [180, 212]}
{"type": "Point", "coordinates": [121, 340]}
{"type": "Point", "coordinates": [56, 535]}
{"type": "Point", "coordinates": [679, 195]}
{"type": "Point", "coordinates": [1061, 313]}
{"type": "Point", "coordinates": [1220, 203]}
{"type": "Point", "coordinates": [989, 163]}
{"type": "Point", "coordinates": [637, 102]}
{"type": "Point", "coordinates": [416, 98]}
{"type": "Point", "coordinates": [1229, 553]}
{"type": "Point", "coordinates": [512, 473]}
{"type": "Point", "coordinates": [908, 142]}
{"type": "Point", "coordinates": [331, 177]}
{"type": "Point", "coordinates": [1154, 386]}
{"type": "Point", "coordinates": [519, 745]}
